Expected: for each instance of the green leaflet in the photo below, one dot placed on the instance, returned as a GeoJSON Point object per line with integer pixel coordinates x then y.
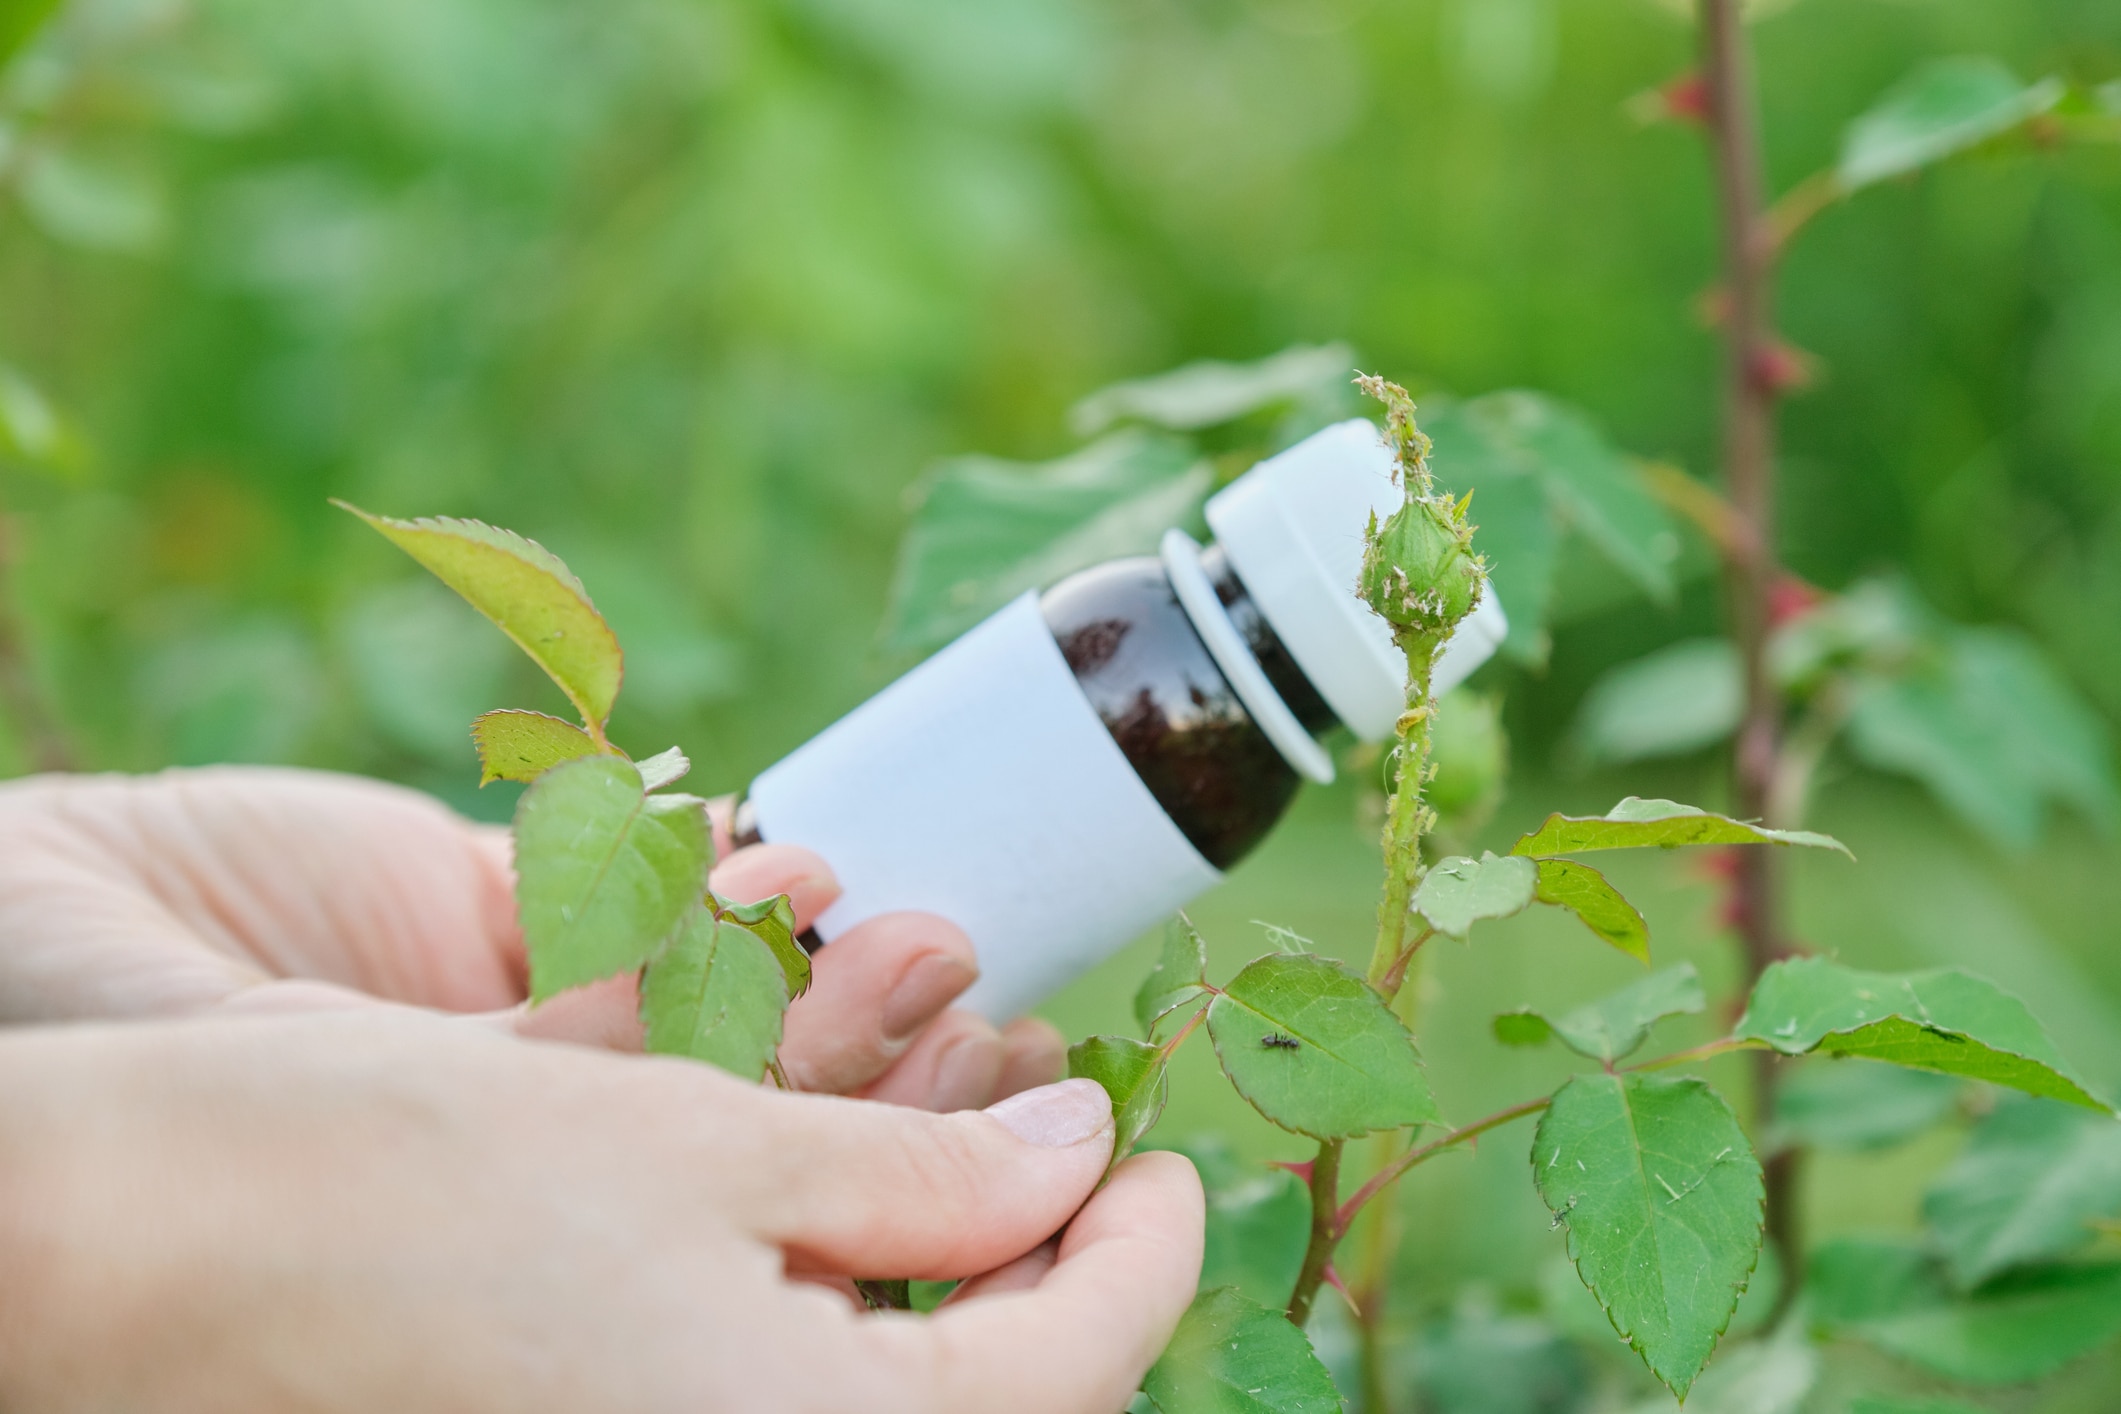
{"type": "Point", "coordinates": [1944, 107]}
{"type": "Point", "coordinates": [1134, 1076]}
{"type": "Point", "coordinates": [604, 872]}
{"type": "Point", "coordinates": [1583, 891]}
{"type": "Point", "coordinates": [987, 530]}
{"type": "Point", "coordinates": [1613, 1027]}
{"type": "Point", "coordinates": [1947, 1020]}
{"type": "Point", "coordinates": [1316, 1050]}
{"type": "Point", "coordinates": [1837, 1102]}
{"type": "Point", "coordinates": [528, 593]}
{"type": "Point", "coordinates": [1211, 392]}
{"type": "Point", "coordinates": [1535, 466]}
{"type": "Point", "coordinates": [1259, 1221]}
{"type": "Point", "coordinates": [716, 994]}
{"type": "Point", "coordinates": [1457, 893]}
{"type": "Point", "coordinates": [2028, 1186]}
{"type": "Point", "coordinates": [1662, 1199]}
{"type": "Point", "coordinates": [1636, 823]}
{"type": "Point", "coordinates": [1984, 721]}
{"type": "Point", "coordinates": [1231, 1355]}
{"type": "Point", "coordinates": [772, 922]}
{"type": "Point", "coordinates": [1180, 975]}
{"type": "Point", "coordinates": [2022, 1326]}
{"type": "Point", "coordinates": [664, 768]}
{"type": "Point", "coordinates": [522, 746]}
{"type": "Point", "coordinates": [1679, 699]}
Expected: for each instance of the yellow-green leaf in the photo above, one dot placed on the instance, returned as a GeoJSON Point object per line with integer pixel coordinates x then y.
{"type": "Point", "coordinates": [1636, 823]}
{"type": "Point", "coordinates": [522, 746]}
{"type": "Point", "coordinates": [1583, 891]}
{"type": "Point", "coordinates": [528, 593]}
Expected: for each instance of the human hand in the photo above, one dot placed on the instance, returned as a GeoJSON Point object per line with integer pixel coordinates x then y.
{"type": "Point", "coordinates": [244, 889]}
{"type": "Point", "coordinates": [377, 1209]}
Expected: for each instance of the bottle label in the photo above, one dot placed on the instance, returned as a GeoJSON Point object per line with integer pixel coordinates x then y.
{"type": "Point", "coordinates": [982, 786]}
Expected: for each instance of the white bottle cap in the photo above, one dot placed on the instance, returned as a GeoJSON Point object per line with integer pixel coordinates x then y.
{"type": "Point", "coordinates": [1293, 529]}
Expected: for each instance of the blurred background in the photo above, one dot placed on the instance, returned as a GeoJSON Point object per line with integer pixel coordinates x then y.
{"type": "Point", "coordinates": [696, 291]}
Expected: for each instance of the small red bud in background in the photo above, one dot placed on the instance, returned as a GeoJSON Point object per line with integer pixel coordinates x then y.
{"type": "Point", "coordinates": [1791, 598]}
{"type": "Point", "coordinates": [1683, 100]}
{"type": "Point", "coordinates": [1780, 368]}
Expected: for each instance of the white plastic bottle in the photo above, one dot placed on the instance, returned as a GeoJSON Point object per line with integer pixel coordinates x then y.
{"type": "Point", "coordinates": [1087, 760]}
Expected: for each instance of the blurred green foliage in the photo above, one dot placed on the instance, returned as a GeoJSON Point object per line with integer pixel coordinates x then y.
{"type": "Point", "coordinates": [698, 291]}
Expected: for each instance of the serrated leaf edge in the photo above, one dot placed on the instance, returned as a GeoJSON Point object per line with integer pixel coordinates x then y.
{"type": "Point", "coordinates": [1679, 1392]}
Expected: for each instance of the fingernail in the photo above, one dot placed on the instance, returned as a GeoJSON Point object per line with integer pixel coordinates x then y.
{"type": "Point", "coordinates": [926, 988]}
{"type": "Point", "coordinates": [1057, 1116]}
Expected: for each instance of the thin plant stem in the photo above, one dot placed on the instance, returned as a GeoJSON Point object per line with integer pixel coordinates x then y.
{"type": "Point", "coordinates": [1406, 818]}
{"type": "Point", "coordinates": [1749, 393]}
{"type": "Point", "coordinates": [1325, 1229]}
{"type": "Point", "coordinates": [1391, 1173]}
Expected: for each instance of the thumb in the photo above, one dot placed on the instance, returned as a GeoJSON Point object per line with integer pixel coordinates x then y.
{"type": "Point", "coordinates": [875, 1190]}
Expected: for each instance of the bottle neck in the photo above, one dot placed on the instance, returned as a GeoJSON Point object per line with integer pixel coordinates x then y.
{"type": "Point", "coordinates": [1266, 646]}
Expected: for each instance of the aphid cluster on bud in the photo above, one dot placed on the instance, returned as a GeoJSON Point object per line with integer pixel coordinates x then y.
{"type": "Point", "coordinates": [1419, 570]}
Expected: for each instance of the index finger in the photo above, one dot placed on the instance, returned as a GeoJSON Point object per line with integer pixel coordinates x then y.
{"type": "Point", "coordinates": [1080, 1340]}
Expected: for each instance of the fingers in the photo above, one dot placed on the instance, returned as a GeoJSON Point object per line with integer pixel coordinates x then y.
{"type": "Point", "coordinates": [762, 870]}
{"type": "Point", "coordinates": [955, 1065]}
{"type": "Point", "coordinates": [876, 1190]}
{"type": "Point", "coordinates": [1080, 1338]}
{"type": "Point", "coordinates": [874, 988]}
{"type": "Point", "coordinates": [1033, 1053]}
{"type": "Point", "coordinates": [1022, 1274]}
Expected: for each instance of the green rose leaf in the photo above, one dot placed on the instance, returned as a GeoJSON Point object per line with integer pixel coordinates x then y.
{"type": "Point", "coordinates": [1947, 1021]}
{"type": "Point", "coordinates": [1134, 1076]}
{"type": "Point", "coordinates": [1457, 893]}
{"type": "Point", "coordinates": [1583, 891]}
{"type": "Point", "coordinates": [528, 593]}
{"type": "Point", "coordinates": [2028, 1186]}
{"type": "Point", "coordinates": [1231, 1355]}
{"type": "Point", "coordinates": [716, 994]}
{"type": "Point", "coordinates": [1179, 977]}
{"type": "Point", "coordinates": [1537, 466]}
{"type": "Point", "coordinates": [604, 872]}
{"type": "Point", "coordinates": [772, 922]}
{"type": "Point", "coordinates": [1943, 108]}
{"type": "Point", "coordinates": [663, 768]}
{"type": "Point", "coordinates": [987, 530]}
{"type": "Point", "coordinates": [1609, 1029]}
{"type": "Point", "coordinates": [2022, 1326]}
{"type": "Point", "coordinates": [1836, 1102]}
{"type": "Point", "coordinates": [1677, 700]}
{"type": "Point", "coordinates": [1210, 392]}
{"type": "Point", "coordinates": [522, 746]}
{"type": "Point", "coordinates": [1987, 724]}
{"type": "Point", "coordinates": [1636, 823]}
{"type": "Point", "coordinates": [1259, 1221]}
{"type": "Point", "coordinates": [1315, 1049]}
{"type": "Point", "coordinates": [1662, 1199]}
